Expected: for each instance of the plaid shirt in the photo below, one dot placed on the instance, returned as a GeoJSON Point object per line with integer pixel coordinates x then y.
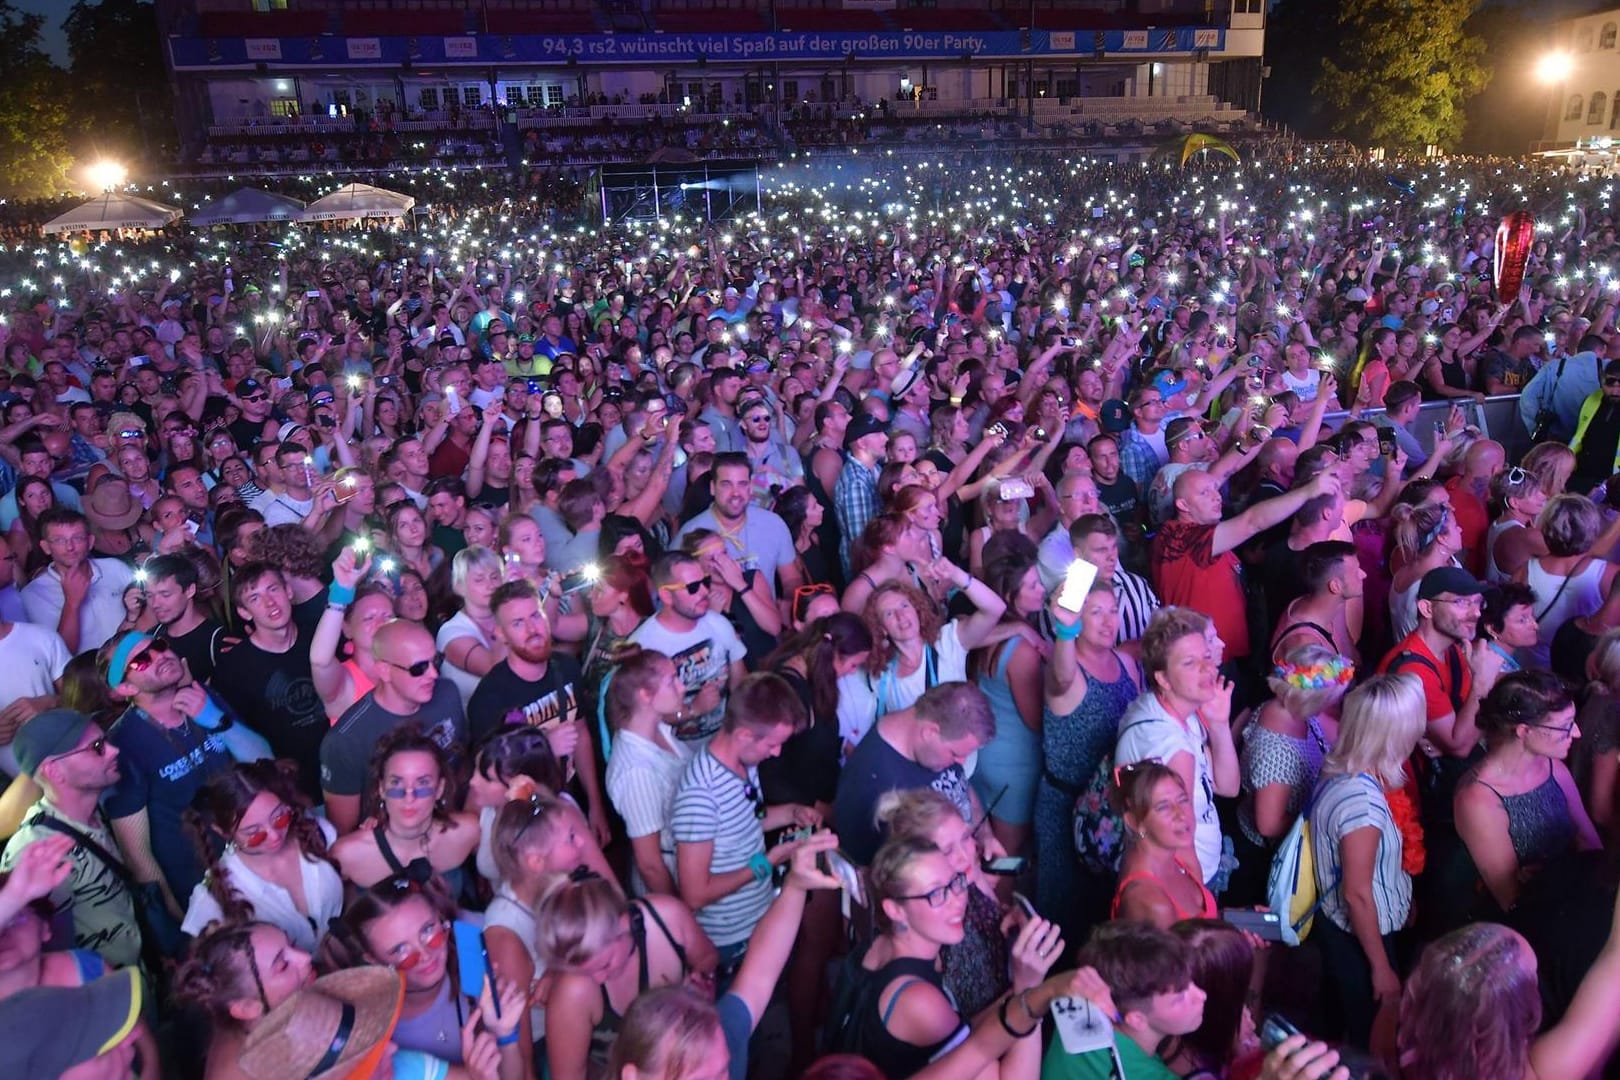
{"type": "Point", "coordinates": [855, 501]}
{"type": "Point", "coordinates": [1138, 459]}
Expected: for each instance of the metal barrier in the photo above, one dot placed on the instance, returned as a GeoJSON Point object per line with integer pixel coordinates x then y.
{"type": "Point", "coordinates": [1495, 417]}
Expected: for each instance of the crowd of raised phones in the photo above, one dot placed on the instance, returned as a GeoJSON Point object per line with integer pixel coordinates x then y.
{"type": "Point", "coordinates": [1055, 633]}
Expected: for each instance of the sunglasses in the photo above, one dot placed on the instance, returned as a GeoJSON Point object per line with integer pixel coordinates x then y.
{"type": "Point", "coordinates": [429, 940]}
{"type": "Point", "coordinates": [98, 747]}
{"type": "Point", "coordinates": [1517, 476]}
{"type": "Point", "coordinates": [422, 791]}
{"type": "Point", "coordinates": [421, 667]}
{"type": "Point", "coordinates": [692, 587]}
{"type": "Point", "coordinates": [254, 399]}
{"type": "Point", "coordinates": [258, 835]}
{"type": "Point", "coordinates": [148, 656]}
{"type": "Point", "coordinates": [757, 797]}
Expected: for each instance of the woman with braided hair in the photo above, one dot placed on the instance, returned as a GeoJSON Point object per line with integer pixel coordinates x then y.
{"type": "Point", "coordinates": [236, 974]}
{"type": "Point", "coordinates": [266, 855]}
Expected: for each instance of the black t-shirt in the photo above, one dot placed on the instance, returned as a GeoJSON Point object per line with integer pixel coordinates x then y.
{"type": "Point", "coordinates": [806, 771]}
{"type": "Point", "coordinates": [247, 433]}
{"type": "Point", "coordinates": [274, 694]}
{"type": "Point", "coordinates": [1121, 499]}
{"type": "Point", "coordinates": [1280, 578]}
{"type": "Point", "coordinates": [199, 647]}
{"type": "Point", "coordinates": [504, 698]}
{"type": "Point", "coordinates": [1571, 649]}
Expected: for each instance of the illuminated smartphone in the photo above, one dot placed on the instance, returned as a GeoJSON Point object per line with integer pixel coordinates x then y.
{"type": "Point", "coordinates": [1077, 582]}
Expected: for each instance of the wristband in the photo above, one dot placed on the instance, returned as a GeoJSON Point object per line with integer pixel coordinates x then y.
{"type": "Point", "coordinates": [1007, 1026]}
{"type": "Point", "coordinates": [339, 595]}
{"type": "Point", "coordinates": [760, 866]}
{"type": "Point", "coordinates": [956, 399]}
{"type": "Point", "coordinates": [1065, 633]}
{"type": "Point", "coordinates": [507, 1040]}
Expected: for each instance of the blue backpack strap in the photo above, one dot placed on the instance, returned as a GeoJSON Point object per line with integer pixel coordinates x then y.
{"type": "Point", "coordinates": [601, 714]}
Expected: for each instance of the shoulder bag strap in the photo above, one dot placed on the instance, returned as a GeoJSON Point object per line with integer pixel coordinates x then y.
{"type": "Point", "coordinates": [112, 862]}
{"type": "Point", "coordinates": [680, 950]}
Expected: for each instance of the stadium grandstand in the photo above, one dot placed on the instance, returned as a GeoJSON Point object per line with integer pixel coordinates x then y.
{"type": "Point", "coordinates": [290, 86]}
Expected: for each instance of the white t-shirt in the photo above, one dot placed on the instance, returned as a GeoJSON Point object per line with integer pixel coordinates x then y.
{"type": "Point", "coordinates": [32, 658]}
{"type": "Point", "coordinates": [283, 509]}
{"type": "Point", "coordinates": [701, 655]}
{"type": "Point", "coordinates": [1148, 733]}
{"type": "Point", "coordinates": [459, 625]}
{"type": "Point", "coordinates": [859, 693]}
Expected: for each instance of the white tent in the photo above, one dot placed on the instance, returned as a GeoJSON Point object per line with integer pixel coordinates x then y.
{"type": "Point", "coordinates": [114, 210]}
{"type": "Point", "coordinates": [247, 206]}
{"type": "Point", "coordinates": [358, 201]}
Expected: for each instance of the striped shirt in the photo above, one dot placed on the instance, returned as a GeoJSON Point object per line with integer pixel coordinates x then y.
{"type": "Point", "coordinates": [641, 781]}
{"type": "Point", "coordinates": [1343, 805]}
{"type": "Point", "coordinates": [714, 805]}
{"type": "Point", "coordinates": [1137, 603]}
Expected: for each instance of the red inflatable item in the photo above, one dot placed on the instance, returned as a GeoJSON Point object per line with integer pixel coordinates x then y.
{"type": "Point", "coordinates": [1514, 238]}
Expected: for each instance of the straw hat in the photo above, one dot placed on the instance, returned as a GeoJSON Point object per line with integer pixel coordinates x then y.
{"type": "Point", "coordinates": [338, 1026]}
{"type": "Point", "coordinates": [111, 506]}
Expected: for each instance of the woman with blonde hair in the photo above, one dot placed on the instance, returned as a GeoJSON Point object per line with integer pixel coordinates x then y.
{"type": "Point", "coordinates": [604, 952]}
{"type": "Point", "coordinates": [891, 1005]}
{"type": "Point", "coordinates": [1427, 536]}
{"type": "Point", "coordinates": [468, 639]}
{"type": "Point", "coordinates": [1517, 498]}
{"type": "Point", "coordinates": [1596, 758]}
{"type": "Point", "coordinates": [1572, 577]}
{"type": "Point", "coordinates": [670, 1034]}
{"type": "Point", "coordinates": [1283, 749]}
{"type": "Point", "coordinates": [1552, 463]}
{"type": "Point", "coordinates": [1365, 894]}
{"type": "Point", "coordinates": [975, 968]}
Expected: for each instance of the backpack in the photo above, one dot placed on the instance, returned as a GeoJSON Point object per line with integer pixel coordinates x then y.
{"type": "Point", "coordinates": [1291, 885]}
{"type": "Point", "coordinates": [1099, 829]}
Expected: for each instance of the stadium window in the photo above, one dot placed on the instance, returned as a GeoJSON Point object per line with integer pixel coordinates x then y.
{"type": "Point", "coordinates": [1595, 111]}
{"type": "Point", "coordinates": [269, 5]}
{"type": "Point", "coordinates": [286, 106]}
{"type": "Point", "coordinates": [1583, 40]}
{"type": "Point", "coordinates": [472, 96]}
{"type": "Point", "coordinates": [536, 95]}
{"type": "Point", "coordinates": [428, 98]}
{"type": "Point", "coordinates": [1573, 110]}
{"type": "Point", "coordinates": [1246, 7]}
{"type": "Point", "coordinates": [1607, 35]}
{"type": "Point", "coordinates": [554, 94]}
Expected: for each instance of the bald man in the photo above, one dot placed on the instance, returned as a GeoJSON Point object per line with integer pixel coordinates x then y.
{"type": "Point", "coordinates": [1193, 558]}
{"type": "Point", "coordinates": [1469, 490]}
{"type": "Point", "coordinates": [408, 691]}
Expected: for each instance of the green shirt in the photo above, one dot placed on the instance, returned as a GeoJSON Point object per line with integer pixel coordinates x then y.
{"type": "Point", "coordinates": [1137, 1063]}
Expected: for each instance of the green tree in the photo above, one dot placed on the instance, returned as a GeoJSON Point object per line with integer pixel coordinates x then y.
{"type": "Point", "coordinates": [34, 155]}
{"type": "Point", "coordinates": [1403, 71]}
{"type": "Point", "coordinates": [122, 101]}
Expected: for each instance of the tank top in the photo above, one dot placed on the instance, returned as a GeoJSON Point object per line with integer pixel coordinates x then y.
{"type": "Point", "coordinates": [1539, 822]}
{"type": "Point", "coordinates": [510, 914]}
{"type": "Point", "coordinates": [1494, 573]}
{"type": "Point", "coordinates": [1558, 600]}
{"type": "Point", "coordinates": [1208, 911]}
{"type": "Point", "coordinates": [860, 1019]}
{"type": "Point", "coordinates": [607, 1029]}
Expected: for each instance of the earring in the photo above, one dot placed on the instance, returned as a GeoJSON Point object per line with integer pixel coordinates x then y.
{"type": "Point", "coordinates": [900, 928]}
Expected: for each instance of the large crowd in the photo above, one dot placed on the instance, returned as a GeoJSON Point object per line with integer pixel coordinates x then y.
{"type": "Point", "coordinates": [973, 617]}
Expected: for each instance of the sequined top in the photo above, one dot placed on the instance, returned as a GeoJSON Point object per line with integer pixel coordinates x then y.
{"type": "Point", "coordinates": [1539, 821]}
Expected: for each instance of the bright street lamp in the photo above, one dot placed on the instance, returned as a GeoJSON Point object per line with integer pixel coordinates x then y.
{"type": "Point", "coordinates": [1555, 67]}
{"type": "Point", "coordinates": [106, 175]}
